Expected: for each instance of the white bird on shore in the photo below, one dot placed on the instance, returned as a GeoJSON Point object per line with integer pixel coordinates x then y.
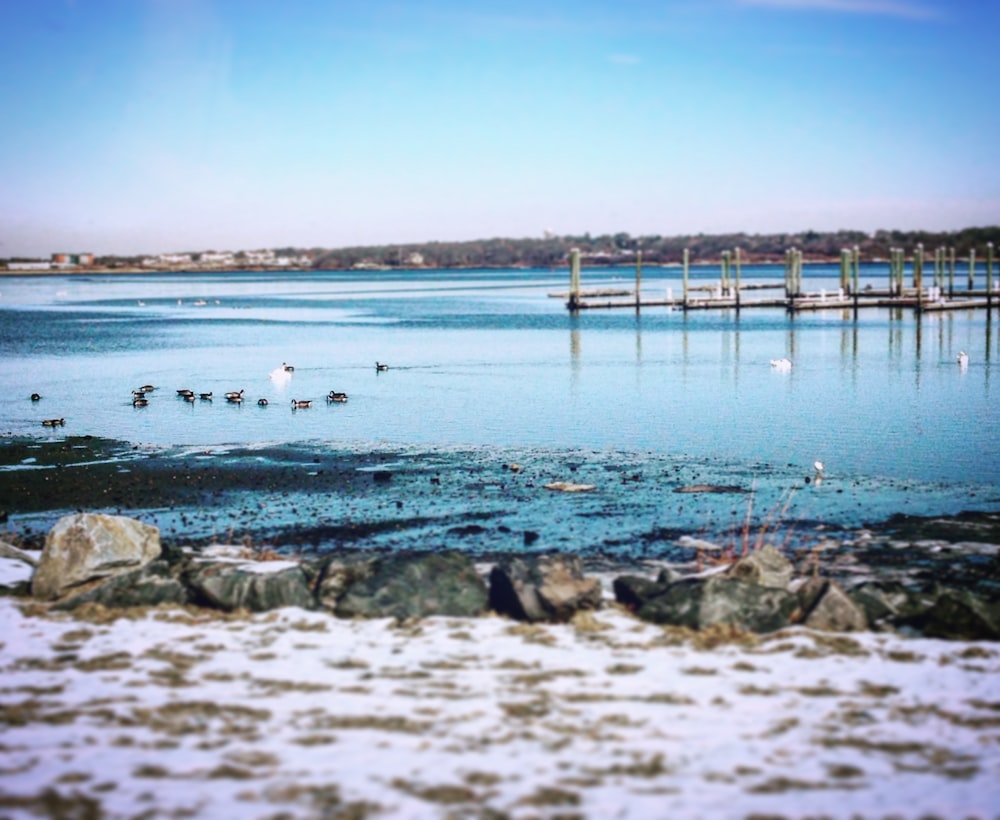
{"type": "Point", "coordinates": [963, 359]}
{"type": "Point", "coordinates": [781, 364]}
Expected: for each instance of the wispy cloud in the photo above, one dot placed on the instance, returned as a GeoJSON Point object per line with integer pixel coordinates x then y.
{"type": "Point", "coordinates": [886, 8]}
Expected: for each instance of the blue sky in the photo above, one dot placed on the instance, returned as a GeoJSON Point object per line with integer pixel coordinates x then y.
{"type": "Point", "coordinates": [166, 125]}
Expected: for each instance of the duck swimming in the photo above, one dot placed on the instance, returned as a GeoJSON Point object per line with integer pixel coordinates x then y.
{"type": "Point", "coordinates": [334, 396]}
{"type": "Point", "coordinates": [184, 393]}
{"type": "Point", "coordinates": [380, 367]}
{"type": "Point", "coordinates": [205, 396]}
{"type": "Point", "coordinates": [235, 396]}
{"type": "Point", "coordinates": [35, 397]}
{"type": "Point", "coordinates": [262, 402]}
{"type": "Point", "coordinates": [53, 422]}
{"type": "Point", "coordinates": [301, 404]}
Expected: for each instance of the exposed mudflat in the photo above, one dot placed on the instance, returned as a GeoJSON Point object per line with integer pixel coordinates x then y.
{"type": "Point", "coordinates": [310, 497]}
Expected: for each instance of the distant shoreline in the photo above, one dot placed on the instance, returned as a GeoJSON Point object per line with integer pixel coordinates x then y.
{"type": "Point", "coordinates": [99, 271]}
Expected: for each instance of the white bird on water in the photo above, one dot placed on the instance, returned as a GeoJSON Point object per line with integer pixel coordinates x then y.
{"type": "Point", "coordinates": [281, 374]}
{"type": "Point", "coordinates": [963, 359]}
{"type": "Point", "coordinates": [781, 364]}
{"type": "Point", "coordinates": [820, 469]}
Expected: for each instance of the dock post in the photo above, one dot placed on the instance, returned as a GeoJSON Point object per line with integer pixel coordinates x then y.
{"type": "Point", "coordinates": [798, 273]}
{"type": "Point", "coordinates": [844, 278]}
{"type": "Point", "coordinates": [989, 277]}
{"type": "Point", "coordinates": [737, 280]}
{"type": "Point", "coordinates": [574, 279]}
{"type": "Point", "coordinates": [918, 274]}
{"type": "Point", "coordinates": [857, 275]}
{"type": "Point", "coordinates": [788, 271]}
{"type": "Point", "coordinates": [685, 265]}
{"type": "Point", "coordinates": [638, 279]}
{"type": "Point", "coordinates": [972, 268]}
{"type": "Point", "coordinates": [951, 272]}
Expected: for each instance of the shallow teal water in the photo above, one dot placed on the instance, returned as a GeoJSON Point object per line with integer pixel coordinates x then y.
{"type": "Point", "coordinates": [487, 358]}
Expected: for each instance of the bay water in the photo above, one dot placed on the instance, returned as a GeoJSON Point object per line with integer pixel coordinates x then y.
{"type": "Point", "coordinates": [490, 359]}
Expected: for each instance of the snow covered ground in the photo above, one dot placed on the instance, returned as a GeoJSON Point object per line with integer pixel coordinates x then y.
{"type": "Point", "coordinates": [298, 714]}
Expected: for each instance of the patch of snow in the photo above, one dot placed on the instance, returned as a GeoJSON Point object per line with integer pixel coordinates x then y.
{"type": "Point", "coordinates": [298, 712]}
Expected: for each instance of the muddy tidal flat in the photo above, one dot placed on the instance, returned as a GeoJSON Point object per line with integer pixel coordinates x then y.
{"type": "Point", "coordinates": [309, 499]}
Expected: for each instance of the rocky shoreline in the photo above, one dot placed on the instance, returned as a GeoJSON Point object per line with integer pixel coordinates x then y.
{"type": "Point", "coordinates": [115, 562]}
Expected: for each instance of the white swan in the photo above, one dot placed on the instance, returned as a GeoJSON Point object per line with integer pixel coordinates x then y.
{"type": "Point", "coordinates": [963, 359]}
{"type": "Point", "coordinates": [281, 374]}
{"type": "Point", "coordinates": [781, 364]}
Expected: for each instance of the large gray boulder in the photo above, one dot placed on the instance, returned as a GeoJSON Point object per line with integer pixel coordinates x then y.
{"type": "Point", "coordinates": [257, 587]}
{"type": "Point", "coordinates": [765, 566]}
{"type": "Point", "coordinates": [700, 602]}
{"type": "Point", "coordinates": [412, 585]}
{"type": "Point", "coordinates": [88, 546]}
{"type": "Point", "coordinates": [828, 608]}
{"type": "Point", "coordinates": [632, 591]}
{"type": "Point", "coordinates": [542, 588]}
{"type": "Point", "coordinates": [333, 575]}
{"type": "Point", "coordinates": [959, 615]}
{"type": "Point", "coordinates": [152, 585]}
{"type": "Point", "coordinates": [888, 603]}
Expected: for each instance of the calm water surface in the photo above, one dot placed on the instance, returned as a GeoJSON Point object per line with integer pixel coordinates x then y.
{"type": "Point", "coordinates": [488, 358]}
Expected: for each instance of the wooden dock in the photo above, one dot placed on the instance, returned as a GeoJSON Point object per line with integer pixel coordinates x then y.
{"type": "Point", "coordinates": [941, 295]}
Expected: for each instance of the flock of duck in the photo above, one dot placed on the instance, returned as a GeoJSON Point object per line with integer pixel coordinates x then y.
{"type": "Point", "coordinates": [279, 374]}
{"type": "Point", "coordinates": [140, 396]}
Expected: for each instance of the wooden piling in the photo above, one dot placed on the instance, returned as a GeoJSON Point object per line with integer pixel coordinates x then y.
{"type": "Point", "coordinates": [638, 279]}
{"type": "Point", "coordinates": [972, 268]}
{"type": "Point", "coordinates": [951, 272]}
{"type": "Point", "coordinates": [686, 263]}
{"type": "Point", "coordinates": [574, 279]}
{"type": "Point", "coordinates": [856, 258]}
{"type": "Point", "coordinates": [989, 277]}
{"type": "Point", "coordinates": [918, 274]}
{"type": "Point", "coordinates": [738, 280]}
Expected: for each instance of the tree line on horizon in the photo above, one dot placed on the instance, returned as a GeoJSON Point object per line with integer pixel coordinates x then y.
{"type": "Point", "coordinates": [620, 248]}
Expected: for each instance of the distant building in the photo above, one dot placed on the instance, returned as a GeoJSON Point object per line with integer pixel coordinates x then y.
{"type": "Point", "coordinates": [68, 260]}
{"type": "Point", "coordinates": [29, 266]}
